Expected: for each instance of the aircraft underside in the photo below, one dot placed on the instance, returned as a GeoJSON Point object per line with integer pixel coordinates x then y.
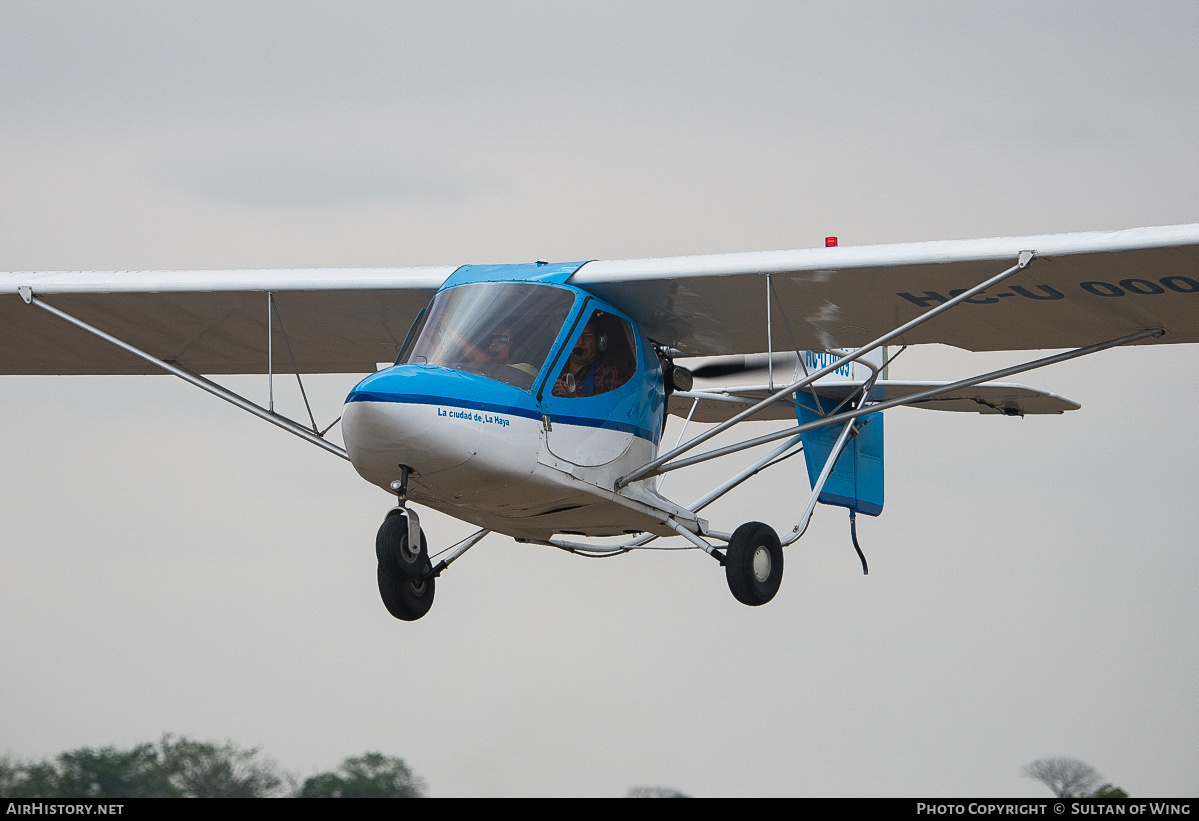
{"type": "Point", "coordinates": [497, 470]}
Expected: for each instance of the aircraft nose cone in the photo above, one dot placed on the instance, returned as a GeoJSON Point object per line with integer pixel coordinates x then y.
{"type": "Point", "coordinates": [401, 416]}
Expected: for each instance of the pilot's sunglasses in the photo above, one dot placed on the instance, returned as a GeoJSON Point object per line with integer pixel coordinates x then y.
{"type": "Point", "coordinates": [503, 339]}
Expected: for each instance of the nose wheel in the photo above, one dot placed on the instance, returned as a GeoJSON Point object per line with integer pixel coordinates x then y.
{"type": "Point", "coordinates": [405, 591]}
{"type": "Point", "coordinates": [753, 565]}
{"type": "Point", "coordinates": [394, 550]}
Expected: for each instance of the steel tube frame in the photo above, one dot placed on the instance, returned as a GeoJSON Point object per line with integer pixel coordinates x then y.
{"type": "Point", "coordinates": [696, 506]}
{"type": "Point", "coordinates": [909, 400]}
{"type": "Point", "coordinates": [1025, 259]}
{"type": "Point", "coordinates": [303, 393]}
{"type": "Point", "coordinates": [769, 340]}
{"type": "Point", "coordinates": [686, 424]}
{"type": "Point", "coordinates": [194, 379]}
{"type": "Point", "coordinates": [801, 526]}
{"type": "Point", "coordinates": [694, 539]}
{"type": "Point", "coordinates": [595, 551]}
{"type": "Point", "coordinates": [456, 552]}
{"type": "Point", "coordinates": [783, 313]}
{"type": "Point", "coordinates": [270, 354]}
{"type": "Point", "coordinates": [714, 494]}
{"type": "Point", "coordinates": [862, 409]}
{"type": "Point", "coordinates": [699, 504]}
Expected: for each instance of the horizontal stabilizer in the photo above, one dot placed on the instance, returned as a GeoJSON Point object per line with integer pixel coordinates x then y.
{"type": "Point", "coordinates": [1009, 399]}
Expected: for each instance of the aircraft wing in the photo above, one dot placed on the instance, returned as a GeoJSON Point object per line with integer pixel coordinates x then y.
{"type": "Point", "coordinates": [336, 320]}
{"type": "Point", "coordinates": [1081, 289]}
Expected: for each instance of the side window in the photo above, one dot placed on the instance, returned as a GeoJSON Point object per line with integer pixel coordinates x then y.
{"type": "Point", "coordinates": [602, 358]}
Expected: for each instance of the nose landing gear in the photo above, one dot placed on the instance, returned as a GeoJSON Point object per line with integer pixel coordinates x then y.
{"type": "Point", "coordinates": [406, 582]}
{"type": "Point", "coordinates": [405, 591]}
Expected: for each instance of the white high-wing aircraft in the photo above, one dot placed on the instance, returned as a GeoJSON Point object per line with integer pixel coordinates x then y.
{"type": "Point", "coordinates": [530, 400]}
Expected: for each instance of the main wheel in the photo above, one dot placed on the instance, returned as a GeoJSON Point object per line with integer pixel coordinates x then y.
{"type": "Point", "coordinates": [406, 599]}
{"type": "Point", "coordinates": [395, 555]}
{"type": "Point", "coordinates": [754, 564]}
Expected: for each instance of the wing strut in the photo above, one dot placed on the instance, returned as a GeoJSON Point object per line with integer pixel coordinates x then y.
{"type": "Point", "coordinates": [793, 445]}
{"type": "Point", "coordinates": [195, 379]}
{"type": "Point", "coordinates": [1025, 259]}
{"type": "Point", "coordinates": [806, 517]}
{"type": "Point", "coordinates": [907, 400]}
{"type": "Point", "coordinates": [272, 305]}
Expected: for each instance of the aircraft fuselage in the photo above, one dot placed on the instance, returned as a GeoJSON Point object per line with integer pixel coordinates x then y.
{"type": "Point", "coordinates": [483, 407]}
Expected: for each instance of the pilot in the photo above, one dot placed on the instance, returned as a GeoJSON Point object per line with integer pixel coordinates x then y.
{"type": "Point", "coordinates": [499, 350]}
{"type": "Point", "coordinates": [585, 373]}
{"type": "Point", "coordinates": [499, 345]}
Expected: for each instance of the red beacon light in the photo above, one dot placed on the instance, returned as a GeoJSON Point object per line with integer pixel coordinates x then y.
{"type": "Point", "coordinates": [830, 242]}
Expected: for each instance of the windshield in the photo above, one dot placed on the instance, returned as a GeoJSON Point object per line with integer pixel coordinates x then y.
{"type": "Point", "coordinates": [501, 330]}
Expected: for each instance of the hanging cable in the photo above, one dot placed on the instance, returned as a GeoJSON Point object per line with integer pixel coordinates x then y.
{"type": "Point", "coordinates": [853, 534]}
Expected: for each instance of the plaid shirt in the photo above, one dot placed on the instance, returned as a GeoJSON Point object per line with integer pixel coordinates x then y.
{"type": "Point", "coordinates": [607, 378]}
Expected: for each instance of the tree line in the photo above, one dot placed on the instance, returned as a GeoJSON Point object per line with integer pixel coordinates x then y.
{"type": "Point", "coordinates": [1071, 778]}
{"type": "Point", "coordinates": [178, 767]}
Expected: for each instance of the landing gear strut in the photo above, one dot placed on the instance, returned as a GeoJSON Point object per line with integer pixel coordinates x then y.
{"type": "Point", "coordinates": [394, 549]}
{"type": "Point", "coordinates": [406, 582]}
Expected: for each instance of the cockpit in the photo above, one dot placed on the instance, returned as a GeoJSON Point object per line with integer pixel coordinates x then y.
{"type": "Point", "coordinates": [506, 331]}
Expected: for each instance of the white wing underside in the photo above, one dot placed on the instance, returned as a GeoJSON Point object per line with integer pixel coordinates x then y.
{"type": "Point", "coordinates": [336, 320]}
{"type": "Point", "coordinates": [1082, 289]}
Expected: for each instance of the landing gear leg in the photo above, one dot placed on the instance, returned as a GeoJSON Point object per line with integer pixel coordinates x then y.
{"type": "Point", "coordinates": [753, 566]}
{"type": "Point", "coordinates": [405, 581]}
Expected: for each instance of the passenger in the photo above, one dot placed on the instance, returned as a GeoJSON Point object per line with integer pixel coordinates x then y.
{"type": "Point", "coordinates": [585, 373]}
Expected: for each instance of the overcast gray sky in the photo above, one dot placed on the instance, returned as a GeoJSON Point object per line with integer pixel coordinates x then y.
{"type": "Point", "coordinates": [172, 565]}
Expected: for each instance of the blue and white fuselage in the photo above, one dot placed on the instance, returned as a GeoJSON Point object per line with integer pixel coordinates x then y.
{"type": "Point", "coordinates": [483, 408]}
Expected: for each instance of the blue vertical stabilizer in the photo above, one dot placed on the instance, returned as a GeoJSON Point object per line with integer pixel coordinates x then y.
{"type": "Point", "coordinates": [857, 478]}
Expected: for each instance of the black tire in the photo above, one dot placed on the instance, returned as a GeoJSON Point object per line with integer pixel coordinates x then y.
{"type": "Point", "coordinates": [405, 599]}
{"type": "Point", "coordinates": [391, 549]}
{"type": "Point", "coordinates": [754, 564]}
